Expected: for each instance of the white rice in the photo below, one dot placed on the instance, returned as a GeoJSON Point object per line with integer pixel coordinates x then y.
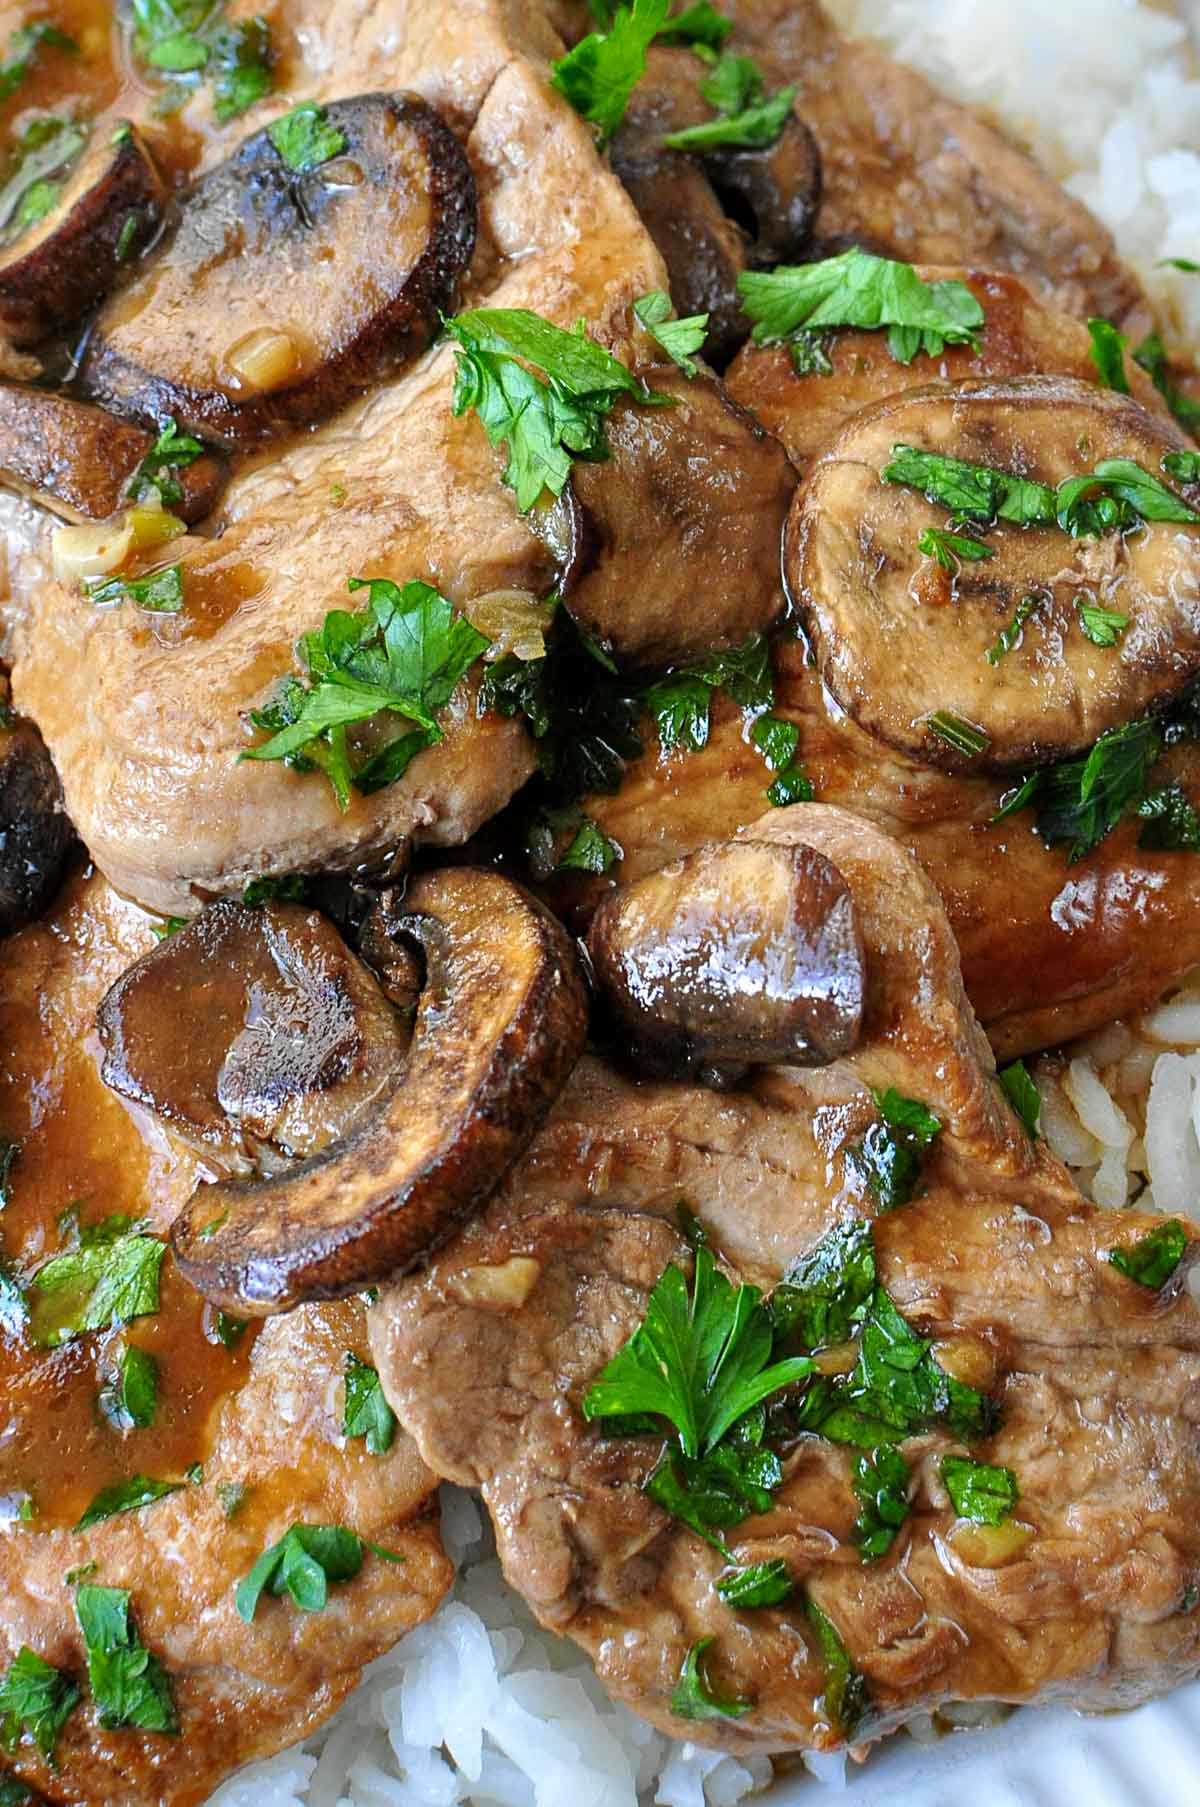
{"type": "Point", "coordinates": [479, 1707]}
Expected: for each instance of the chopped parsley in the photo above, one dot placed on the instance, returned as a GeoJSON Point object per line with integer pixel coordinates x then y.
{"type": "Point", "coordinates": [678, 338]}
{"type": "Point", "coordinates": [1170, 822]}
{"type": "Point", "coordinates": [880, 1479]}
{"type": "Point", "coordinates": [680, 701]}
{"type": "Point", "coordinates": [23, 47]}
{"type": "Point", "coordinates": [367, 1413]}
{"type": "Point", "coordinates": [232, 1496]}
{"type": "Point", "coordinates": [129, 1400]}
{"type": "Point", "coordinates": [694, 1696]}
{"type": "Point", "coordinates": [111, 1278]}
{"type": "Point", "coordinates": [126, 1496]}
{"type": "Point", "coordinates": [161, 592]}
{"type": "Point", "coordinates": [1108, 355]}
{"type": "Point", "coordinates": [1186, 264]}
{"type": "Point", "coordinates": [778, 741]}
{"type": "Point", "coordinates": [1118, 494]}
{"type": "Point", "coordinates": [856, 289]}
{"type": "Point", "coordinates": [129, 1684]}
{"type": "Point", "coordinates": [958, 733]}
{"type": "Point", "coordinates": [1151, 355]}
{"type": "Point", "coordinates": [227, 1330]}
{"type": "Point", "coordinates": [984, 1494]}
{"type": "Point", "coordinates": [888, 1159]}
{"type": "Point", "coordinates": [159, 470]}
{"type": "Point", "coordinates": [35, 1702]}
{"type": "Point", "coordinates": [827, 1291]}
{"type": "Point", "coordinates": [746, 116]}
{"type": "Point", "coordinates": [1183, 466]}
{"type": "Point", "coordinates": [404, 655]}
{"type": "Point", "coordinates": [845, 1696]}
{"type": "Point", "coordinates": [600, 73]}
{"type": "Point", "coordinates": [1080, 801]}
{"type": "Point", "coordinates": [303, 1564]}
{"type": "Point", "coordinates": [1154, 1257]}
{"type": "Point", "coordinates": [304, 138]}
{"type": "Point", "coordinates": [590, 850]}
{"type": "Point", "coordinates": [952, 549]}
{"type": "Point", "coordinates": [240, 66]}
{"type": "Point", "coordinates": [762, 1584]}
{"type": "Point", "coordinates": [190, 41]}
{"type": "Point", "coordinates": [1103, 627]}
{"type": "Point", "coordinates": [549, 420]}
{"type": "Point", "coordinates": [1010, 635]}
{"type": "Point", "coordinates": [44, 152]}
{"type": "Point", "coordinates": [1022, 1094]}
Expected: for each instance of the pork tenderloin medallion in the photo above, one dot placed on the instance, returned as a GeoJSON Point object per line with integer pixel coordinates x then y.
{"type": "Point", "coordinates": [746, 1590]}
{"type": "Point", "coordinates": [189, 1444]}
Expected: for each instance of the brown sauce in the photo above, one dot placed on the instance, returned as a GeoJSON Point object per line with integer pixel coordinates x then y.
{"type": "Point", "coordinates": [80, 1148]}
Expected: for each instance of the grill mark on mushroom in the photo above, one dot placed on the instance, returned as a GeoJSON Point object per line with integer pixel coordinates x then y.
{"type": "Point", "coordinates": [274, 297]}
{"type": "Point", "coordinates": [500, 1023]}
{"type": "Point", "coordinates": [742, 954]}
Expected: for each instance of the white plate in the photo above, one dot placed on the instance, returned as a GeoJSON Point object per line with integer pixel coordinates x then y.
{"type": "Point", "coordinates": [1149, 1758]}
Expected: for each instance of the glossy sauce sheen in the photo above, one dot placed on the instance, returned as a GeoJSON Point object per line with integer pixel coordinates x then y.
{"type": "Point", "coordinates": [80, 1147]}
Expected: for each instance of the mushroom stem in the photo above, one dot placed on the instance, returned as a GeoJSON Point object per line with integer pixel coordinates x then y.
{"type": "Point", "coordinates": [500, 1023]}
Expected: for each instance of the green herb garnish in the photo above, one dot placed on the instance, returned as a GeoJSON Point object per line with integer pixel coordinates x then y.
{"type": "Point", "coordinates": [404, 655]}
{"type": "Point", "coordinates": [304, 138]}
{"type": "Point", "coordinates": [590, 850]}
{"type": "Point", "coordinates": [826, 1292]}
{"type": "Point", "coordinates": [1082, 800]}
{"type": "Point", "coordinates": [171, 452]}
{"type": "Point", "coordinates": [189, 41]}
{"type": "Point", "coordinates": [778, 741]}
{"type": "Point", "coordinates": [1151, 355]}
{"type": "Point", "coordinates": [1183, 466]}
{"type": "Point", "coordinates": [1170, 822]}
{"type": "Point", "coordinates": [746, 116]}
{"type": "Point", "coordinates": [102, 1283]}
{"type": "Point", "coordinates": [240, 66]}
{"type": "Point", "coordinates": [845, 1697]}
{"type": "Point", "coordinates": [367, 1413]}
{"type": "Point", "coordinates": [303, 1564]}
{"type": "Point", "coordinates": [1117, 494]}
{"type": "Point", "coordinates": [1010, 635]}
{"type": "Point", "coordinates": [1103, 627]}
{"type": "Point", "coordinates": [888, 1159]}
{"type": "Point", "coordinates": [126, 1496]}
{"type": "Point", "coordinates": [1022, 1094]}
{"type": "Point", "coordinates": [977, 1491]}
{"type": "Point", "coordinates": [1108, 355]}
{"type": "Point", "coordinates": [600, 73]}
{"type": "Point", "coordinates": [762, 1584]}
{"type": "Point", "coordinates": [35, 1702]}
{"type": "Point", "coordinates": [161, 592]}
{"type": "Point", "coordinates": [957, 732]}
{"type": "Point", "coordinates": [694, 1698]}
{"type": "Point", "coordinates": [881, 1478]}
{"type": "Point", "coordinates": [858, 290]}
{"type": "Point", "coordinates": [128, 1683]}
{"type": "Point", "coordinates": [678, 338]}
{"type": "Point", "coordinates": [680, 702]}
{"type": "Point", "coordinates": [1154, 1257]}
{"type": "Point", "coordinates": [952, 549]}
{"type": "Point", "coordinates": [129, 1400]}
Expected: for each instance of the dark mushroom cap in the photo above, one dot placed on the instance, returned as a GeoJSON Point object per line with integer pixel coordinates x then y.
{"type": "Point", "coordinates": [78, 460]}
{"type": "Point", "coordinates": [35, 831]}
{"type": "Point", "coordinates": [109, 208]}
{"type": "Point", "coordinates": [684, 524]}
{"type": "Point", "coordinates": [500, 1023]}
{"type": "Point", "coordinates": [743, 954]}
{"type": "Point", "coordinates": [898, 638]}
{"type": "Point", "coordinates": [275, 296]}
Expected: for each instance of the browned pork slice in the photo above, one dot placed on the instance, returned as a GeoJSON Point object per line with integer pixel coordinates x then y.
{"type": "Point", "coordinates": [1084, 1589]}
{"type": "Point", "coordinates": [246, 1430]}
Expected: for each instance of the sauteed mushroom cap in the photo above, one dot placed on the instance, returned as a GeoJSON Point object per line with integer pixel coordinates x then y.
{"type": "Point", "coordinates": [35, 830]}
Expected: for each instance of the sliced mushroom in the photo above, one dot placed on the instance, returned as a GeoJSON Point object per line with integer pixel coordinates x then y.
{"type": "Point", "coordinates": [253, 1032]}
{"type": "Point", "coordinates": [684, 522]}
{"type": "Point", "coordinates": [78, 460]}
{"type": "Point", "coordinates": [898, 638]}
{"type": "Point", "coordinates": [715, 213]}
{"type": "Point", "coordinates": [743, 954]}
{"type": "Point", "coordinates": [109, 207]}
{"type": "Point", "coordinates": [35, 831]}
{"type": "Point", "coordinates": [500, 1023]}
{"type": "Point", "coordinates": [275, 296]}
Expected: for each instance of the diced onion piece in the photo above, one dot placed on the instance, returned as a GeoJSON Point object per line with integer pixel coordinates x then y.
{"type": "Point", "coordinates": [153, 527]}
{"type": "Point", "coordinates": [839, 1358]}
{"type": "Point", "coordinates": [514, 621]}
{"type": "Point", "coordinates": [989, 1546]}
{"type": "Point", "coordinates": [507, 1285]}
{"type": "Point", "coordinates": [967, 1359]}
{"type": "Point", "coordinates": [264, 359]}
{"type": "Point", "coordinates": [95, 550]}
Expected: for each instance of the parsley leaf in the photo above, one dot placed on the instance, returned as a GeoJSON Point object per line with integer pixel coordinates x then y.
{"type": "Point", "coordinates": [23, 46]}
{"type": "Point", "coordinates": [1186, 264]}
{"type": "Point", "coordinates": [761, 1584]}
{"type": "Point", "coordinates": [881, 1478]}
{"type": "Point", "coordinates": [678, 338]}
{"type": "Point", "coordinates": [302, 1565]}
{"type": "Point", "coordinates": [591, 850]}
{"type": "Point", "coordinates": [720, 1489]}
{"type": "Point", "coordinates": [1154, 1257]}
{"type": "Point", "coordinates": [702, 1361]}
{"type": "Point", "coordinates": [126, 1496]}
{"type": "Point", "coordinates": [241, 66]}
{"type": "Point", "coordinates": [1080, 801]}
{"type": "Point", "coordinates": [129, 1400]}
{"type": "Point", "coordinates": [1151, 354]}
{"type": "Point", "coordinates": [171, 452]}
{"type": "Point", "coordinates": [1022, 1094]}
{"type": "Point", "coordinates": [161, 591]}
{"type": "Point", "coordinates": [1108, 354]}
{"type": "Point", "coordinates": [888, 1159]}
{"type": "Point", "coordinates": [694, 1698]}
{"type": "Point", "coordinates": [859, 290]}
{"type": "Point", "coordinates": [1171, 823]}
{"type": "Point", "coordinates": [984, 1494]}
{"type": "Point", "coordinates": [680, 701]}
{"type": "Point", "coordinates": [601, 72]}
{"type": "Point", "coordinates": [1183, 466]}
{"type": "Point", "coordinates": [735, 83]}
{"type": "Point", "coordinates": [826, 1292]}
{"type": "Point", "coordinates": [1103, 627]}
{"type": "Point", "coordinates": [35, 1701]}
{"type": "Point", "coordinates": [582, 715]}
{"type": "Point", "coordinates": [547, 420]}
{"type": "Point", "coordinates": [1117, 494]}
{"type": "Point", "coordinates": [304, 138]}
{"type": "Point", "coordinates": [778, 741]}
{"type": "Point", "coordinates": [101, 1283]}
{"type": "Point", "coordinates": [845, 1697]}
{"type": "Point", "coordinates": [698, 26]}
{"type": "Point", "coordinates": [367, 1413]}
{"type": "Point", "coordinates": [1010, 635]}
{"type": "Point", "coordinates": [755, 126]}
{"type": "Point", "coordinates": [189, 40]}
{"type": "Point", "coordinates": [973, 492]}
{"type": "Point", "coordinates": [952, 549]}
{"type": "Point", "coordinates": [130, 1685]}
{"type": "Point", "coordinates": [405, 654]}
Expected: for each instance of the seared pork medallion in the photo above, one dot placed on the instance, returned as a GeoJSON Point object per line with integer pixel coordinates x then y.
{"type": "Point", "coordinates": [591, 590]}
{"type": "Point", "coordinates": [945, 1453]}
